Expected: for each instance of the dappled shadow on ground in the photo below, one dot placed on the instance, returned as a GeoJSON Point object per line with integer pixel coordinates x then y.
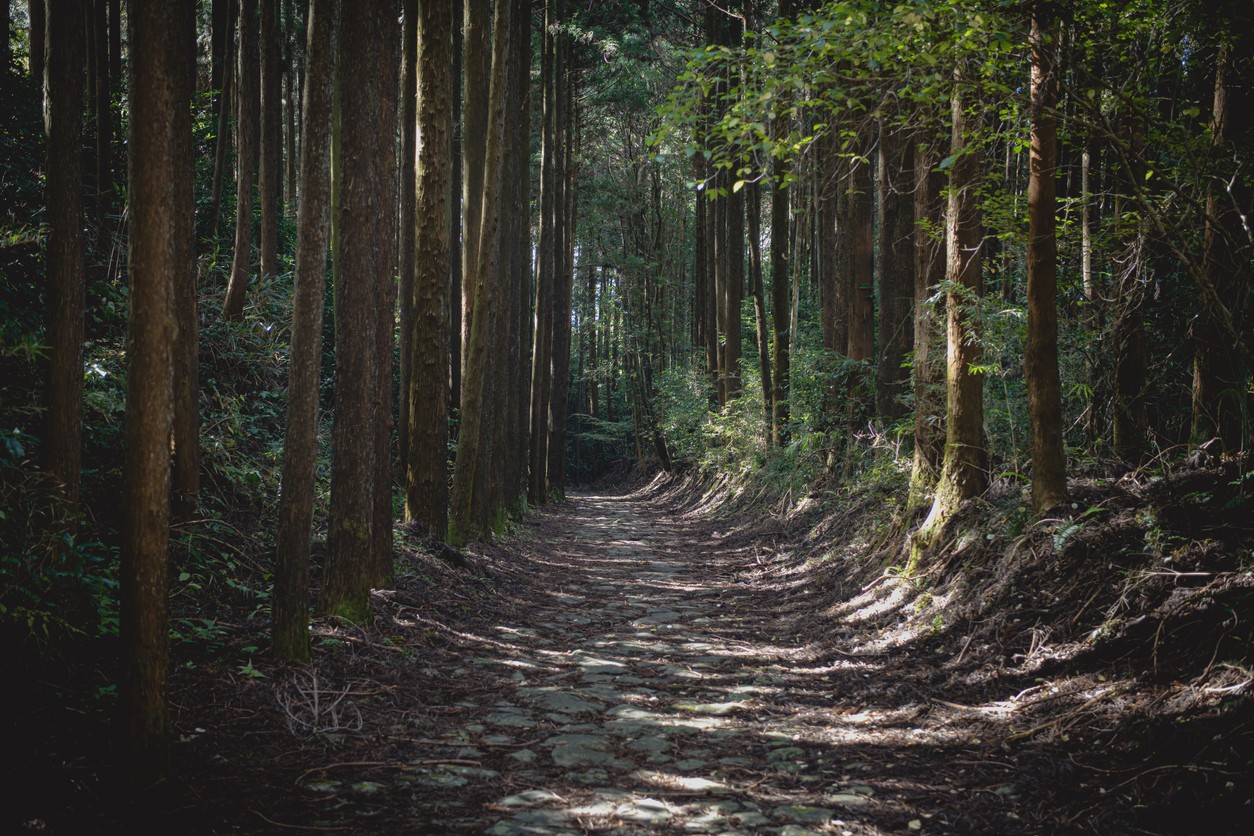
{"type": "Point", "coordinates": [664, 662]}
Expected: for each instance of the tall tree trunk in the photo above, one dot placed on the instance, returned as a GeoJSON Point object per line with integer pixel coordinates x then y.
{"type": "Point", "coordinates": [359, 201]}
{"type": "Point", "coordinates": [63, 123]}
{"type": "Point", "coordinates": [246, 152]}
{"type": "Point", "coordinates": [1040, 364]}
{"type": "Point", "coordinates": [476, 69]}
{"type": "Point", "coordinates": [832, 254]}
{"type": "Point", "coordinates": [186, 430]}
{"type": "Point", "coordinates": [224, 105]}
{"type": "Point", "coordinates": [470, 511]}
{"type": "Point", "coordinates": [408, 229]}
{"type": "Point", "coordinates": [519, 181]}
{"type": "Point", "coordinates": [161, 51]}
{"type": "Point", "coordinates": [780, 200]}
{"type": "Point", "coordinates": [963, 471]}
{"type": "Point", "coordinates": [270, 171]}
{"type": "Point", "coordinates": [759, 308]}
{"type": "Point", "coordinates": [542, 350]}
{"type": "Point", "coordinates": [733, 293]}
{"type": "Point", "coordinates": [384, 303]}
{"type": "Point", "coordinates": [929, 273]}
{"type": "Point", "coordinates": [454, 338]}
{"type": "Point", "coordinates": [291, 98]}
{"type": "Point", "coordinates": [300, 439]}
{"type": "Point", "coordinates": [1220, 398]}
{"type": "Point", "coordinates": [426, 480]}
{"type": "Point", "coordinates": [896, 267]}
{"type": "Point", "coordinates": [563, 286]}
{"type": "Point", "coordinates": [860, 245]}
{"type": "Point", "coordinates": [1130, 422]}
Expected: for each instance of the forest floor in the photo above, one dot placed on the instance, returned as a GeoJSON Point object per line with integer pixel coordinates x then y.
{"type": "Point", "coordinates": [647, 663]}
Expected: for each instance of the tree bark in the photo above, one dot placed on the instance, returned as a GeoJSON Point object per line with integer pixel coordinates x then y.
{"type": "Point", "coordinates": [102, 100]}
{"type": "Point", "coordinates": [63, 123]}
{"type": "Point", "coordinates": [470, 511]}
{"type": "Point", "coordinates": [476, 68]}
{"type": "Point", "coordinates": [359, 197]}
{"type": "Point", "coordinates": [780, 200]}
{"type": "Point", "coordinates": [426, 476]}
{"type": "Point", "coordinates": [929, 370]}
{"type": "Point", "coordinates": [186, 431]}
{"type": "Point", "coordinates": [541, 368]}
{"type": "Point", "coordinates": [408, 231]}
{"type": "Point", "coordinates": [300, 439]}
{"type": "Point", "coordinates": [159, 66]}
{"type": "Point", "coordinates": [1220, 395]}
{"type": "Point", "coordinates": [860, 245]}
{"type": "Point", "coordinates": [519, 181]}
{"type": "Point", "coordinates": [963, 471]}
{"type": "Point", "coordinates": [1040, 365]}
{"type": "Point", "coordinates": [761, 329]}
{"type": "Point", "coordinates": [224, 104]}
{"type": "Point", "coordinates": [896, 268]}
{"type": "Point", "coordinates": [564, 282]}
{"type": "Point", "coordinates": [383, 272]}
{"type": "Point", "coordinates": [270, 171]}
{"type": "Point", "coordinates": [246, 152]}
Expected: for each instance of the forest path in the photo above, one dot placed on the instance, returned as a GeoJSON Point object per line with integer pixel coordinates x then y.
{"type": "Point", "coordinates": [648, 697]}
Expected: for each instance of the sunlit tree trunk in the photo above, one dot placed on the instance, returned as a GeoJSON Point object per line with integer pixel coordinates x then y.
{"type": "Point", "coordinates": [63, 123]}
{"type": "Point", "coordinates": [470, 510]}
{"type": "Point", "coordinates": [929, 370]}
{"type": "Point", "coordinates": [246, 152]}
{"type": "Point", "coordinates": [762, 332]}
{"type": "Point", "coordinates": [963, 471]}
{"type": "Point", "coordinates": [300, 439]}
{"type": "Point", "coordinates": [426, 481]}
{"type": "Point", "coordinates": [1049, 476]}
{"type": "Point", "coordinates": [161, 38]}
{"type": "Point", "coordinates": [541, 368]}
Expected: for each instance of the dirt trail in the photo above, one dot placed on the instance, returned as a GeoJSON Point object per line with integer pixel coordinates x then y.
{"type": "Point", "coordinates": [650, 694]}
{"type": "Point", "coordinates": [634, 665]}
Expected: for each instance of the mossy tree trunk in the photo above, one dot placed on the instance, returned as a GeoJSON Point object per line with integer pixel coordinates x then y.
{"type": "Point", "coordinates": [963, 471]}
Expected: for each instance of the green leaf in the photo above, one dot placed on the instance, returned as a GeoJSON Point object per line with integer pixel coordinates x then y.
{"type": "Point", "coordinates": [948, 162]}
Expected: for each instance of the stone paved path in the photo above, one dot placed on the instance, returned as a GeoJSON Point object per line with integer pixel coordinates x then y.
{"type": "Point", "coordinates": [638, 704]}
